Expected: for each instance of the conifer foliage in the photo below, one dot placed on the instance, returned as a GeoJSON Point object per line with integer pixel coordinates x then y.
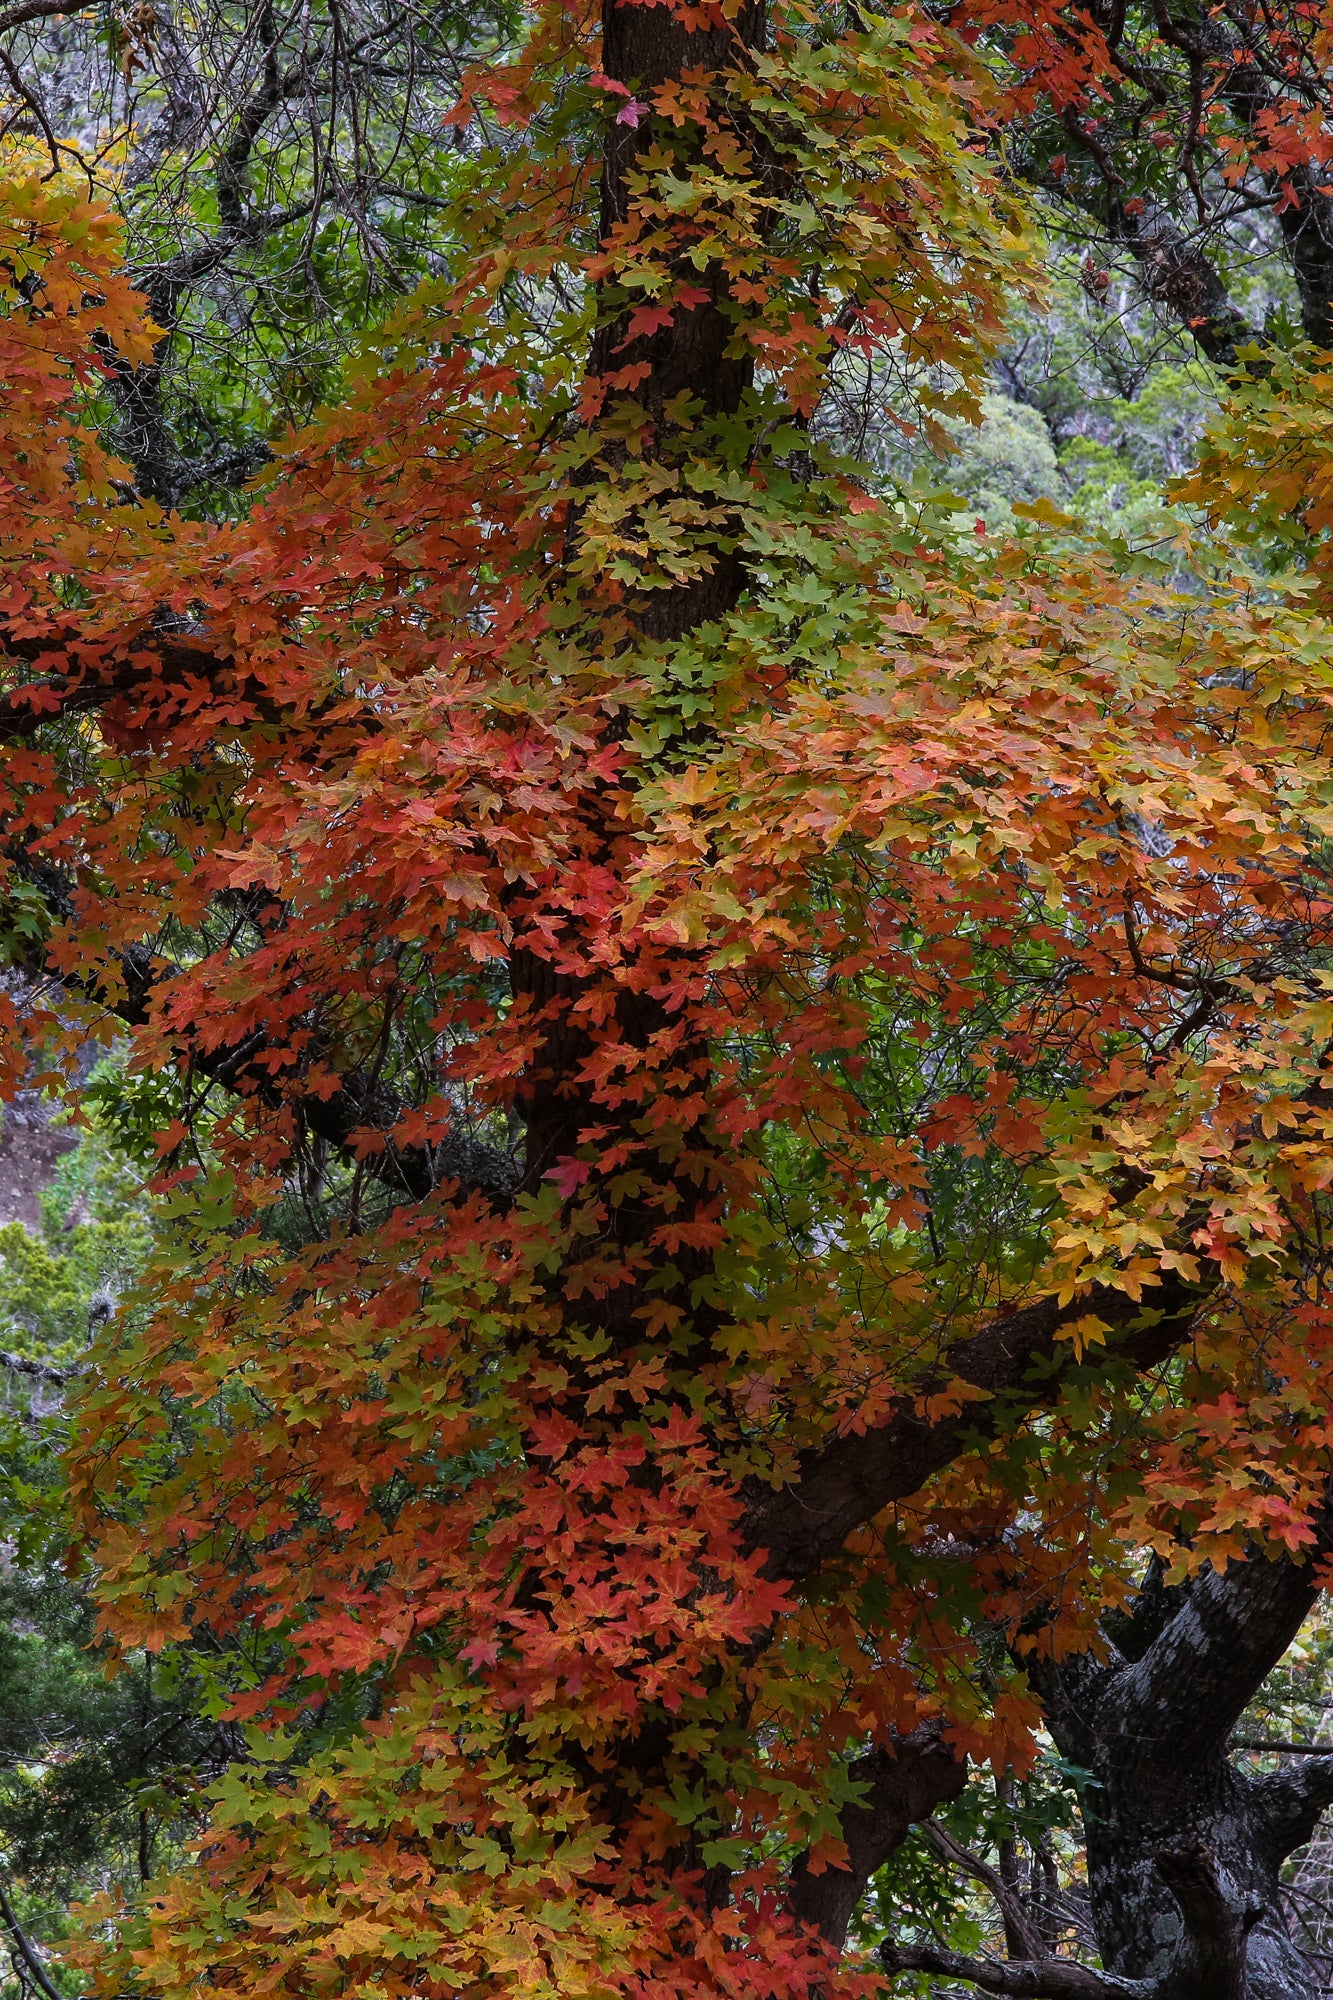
{"type": "Point", "coordinates": [748, 1080]}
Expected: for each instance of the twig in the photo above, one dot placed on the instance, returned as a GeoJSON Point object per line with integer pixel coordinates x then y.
{"type": "Point", "coordinates": [36, 107]}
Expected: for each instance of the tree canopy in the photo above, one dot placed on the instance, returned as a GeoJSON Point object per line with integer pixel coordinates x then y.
{"type": "Point", "coordinates": [732, 1070]}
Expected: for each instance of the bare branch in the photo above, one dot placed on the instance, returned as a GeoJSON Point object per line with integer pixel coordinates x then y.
{"type": "Point", "coordinates": [35, 105]}
{"type": "Point", "coordinates": [1043, 1979]}
{"type": "Point", "coordinates": [37, 10]}
{"type": "Point", "coordinates": [1229, 1630]}
{"type": "Point", "coordinates": [1019, 1363]}
{"type": "Point", "coordinates": [1281, 1749]}
{"type": "Point", "coordinates": [42, 1371]}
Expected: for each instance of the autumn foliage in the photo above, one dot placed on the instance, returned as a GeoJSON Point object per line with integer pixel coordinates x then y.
{"type": "Point", "coordinates": [807, 1034]}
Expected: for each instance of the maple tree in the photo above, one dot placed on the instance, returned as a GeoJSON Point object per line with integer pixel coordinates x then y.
{"type": "Point", "coordinates": [748, 1123]}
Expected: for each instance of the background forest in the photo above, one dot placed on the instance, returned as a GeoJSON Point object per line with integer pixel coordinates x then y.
{"type": "Point", "coordinates": [287, 178]}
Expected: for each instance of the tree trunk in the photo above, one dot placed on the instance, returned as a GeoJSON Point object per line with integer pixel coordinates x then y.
{"type": "Point", "coordinates": [1185, 1851]}
{"type": "Point", "coordinates": [1151, 1838]}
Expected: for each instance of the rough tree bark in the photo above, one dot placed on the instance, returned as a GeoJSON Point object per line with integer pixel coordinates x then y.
{"type": "Point", "coordinates": [1184, 1848]}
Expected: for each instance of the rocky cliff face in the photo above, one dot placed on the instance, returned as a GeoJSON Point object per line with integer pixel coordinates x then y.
{"type": "Point", "coordinates": [30, 1146]}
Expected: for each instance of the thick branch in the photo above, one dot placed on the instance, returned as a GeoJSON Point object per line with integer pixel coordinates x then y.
{"type": "Point", "coordinates": [361, 1107]}
{"type": "Point", "coordinates": [37, 10]}
{"type": "Point", "coordinates": [1292, 1801]}
{"type": "Point", "coordinates": [1175, 272]}
{"type": "Point", "coordinates": [32, 99]}
{"type": "Point", "coordinates": [1179, 277]}
{"type": "Point", "coordinates": [153, 663]}
{"type": "Point", "coordinates": [905, 1784]}
{"type": "Point", "coordinates": [42, 1371]}
{"type": "Point", "coordinates": [1040, 1979]}
{"type": "Point", "coordinates": [1280, 1749]}
{"type": "Point", "coordinates": [1018, 1363]}
{"type": "Point", "coordinates": [412, 1171]}
{"type": "Point", "coordinates": [1183, 1698]}
{"type": "Point", "coordinates": [358, 1107]}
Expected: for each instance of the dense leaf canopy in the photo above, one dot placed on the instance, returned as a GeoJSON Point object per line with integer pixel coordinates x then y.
{"type": "Point", "coordinates": [738, 1076]}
